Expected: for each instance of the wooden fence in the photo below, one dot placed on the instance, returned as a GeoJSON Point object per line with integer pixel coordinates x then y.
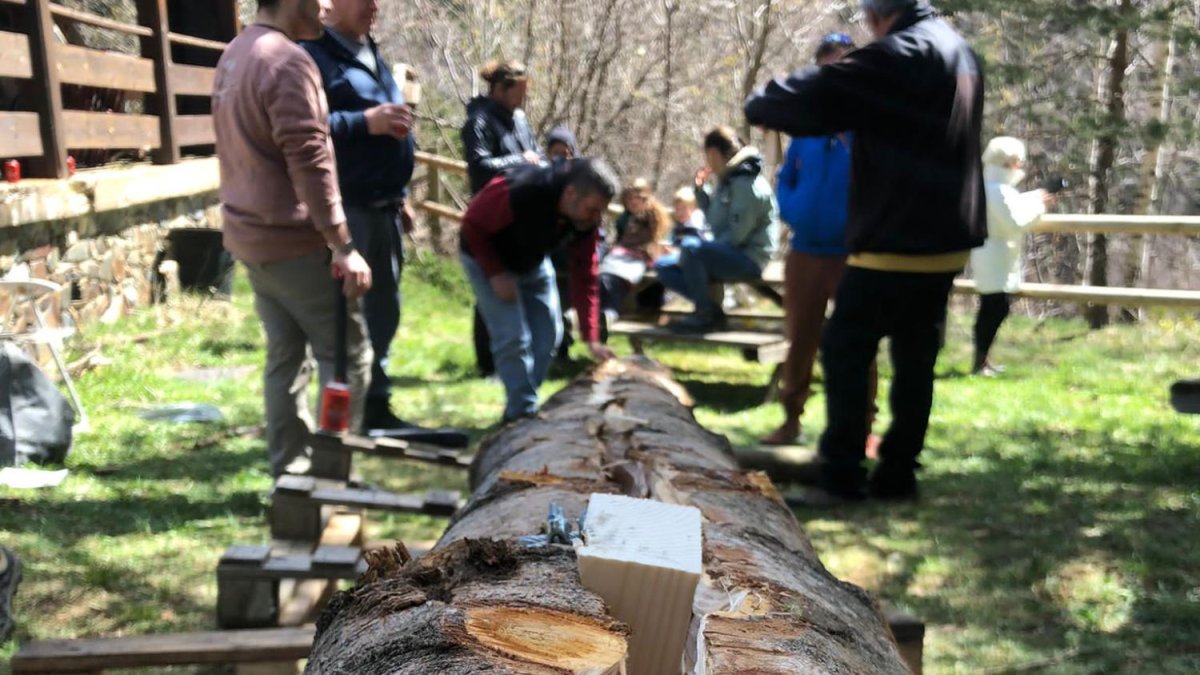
{"type": "Point", "coordinates": [438, 167]}
{"type": "Point", "coordinates": [44, 135]}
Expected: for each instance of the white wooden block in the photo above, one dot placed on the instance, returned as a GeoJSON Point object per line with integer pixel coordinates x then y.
{"type": "Point", "coordinates": [644, 558]}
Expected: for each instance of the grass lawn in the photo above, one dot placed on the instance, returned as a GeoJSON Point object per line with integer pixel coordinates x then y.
{"type": "Point", "coordinates": [1059, 530]}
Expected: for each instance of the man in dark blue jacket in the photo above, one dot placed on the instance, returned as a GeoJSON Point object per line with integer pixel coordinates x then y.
{"type": "Point", "coordinates": [914, 100]}
{"type": "Point", "coordinates": [371, 128]}
{"type": "Point", "coordinates": [813, 192]}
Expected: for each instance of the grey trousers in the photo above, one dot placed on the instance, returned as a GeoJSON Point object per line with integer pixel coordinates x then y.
{"type": "Point", "coordinates": [297, 305]}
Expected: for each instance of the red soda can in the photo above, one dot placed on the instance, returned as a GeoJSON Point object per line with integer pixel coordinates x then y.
{"type": "Point", "coordinates": [70, 165]}
{"type": "Point", "coordinates": [335, 408]}
{"type": "Point", "coordinates": [12, 171]}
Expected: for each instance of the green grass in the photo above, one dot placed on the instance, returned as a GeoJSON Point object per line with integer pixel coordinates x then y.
{"type": "Point", "coordinates": [1059, 530]}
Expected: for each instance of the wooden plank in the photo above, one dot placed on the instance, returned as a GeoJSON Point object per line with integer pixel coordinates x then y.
{"type": "Point", "coordinates": [95, 130]}
{"type": "Point", "coordinates": [19, 134]}
{"type": "Point", "coordinates": [42, 53]}
{"type": "Point", "coordinates": [16, 62]}
{"type": "Point", "coordinates": [110, 70]}
{"type": "Point", "coordinates": [397, 449]}
{"type": "Point", "coordinates": [1114, 224]}
{"type": "Point", "coordinates": [181, 39]}
{"type": "Point", "coordinates": [731, 338]}
{"type": "Point", "coordinates": [195, 130]}
{"type": "Point", "coordinates": [1098, 295]}
{"type": "Point", "coordinates": [291, 567]}
{"type": "Point", "coordinates": [455, 166]}
{"type": "Point", "coordinates": [192, 80]}
{"type": "Point", "coordinates": [157, 48]}
{"type": "Point", "coordinates": [99, 21]}
{"type": "Point", "coordinates": [97, 654]}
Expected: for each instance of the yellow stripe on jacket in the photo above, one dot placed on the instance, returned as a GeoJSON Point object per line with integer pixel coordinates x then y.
{"type": "Point", "coordinates": [895, 262]}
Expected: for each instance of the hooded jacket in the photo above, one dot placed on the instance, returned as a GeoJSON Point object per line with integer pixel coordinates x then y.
{"type": "Point", "coordinates": [914, 100]}
{"type": "Point", "coordinates": [813, 191]}
{"type": "Point", "coordinates": [370, 168]}
{"type": "Point", "coordinates": [514, 223]}
{"type": "Point", "coordinates": [494, 140]}
{"type": "Point", "coordinates": [741, 209]}
{"type": "Point", "coordinates": [997, 265]}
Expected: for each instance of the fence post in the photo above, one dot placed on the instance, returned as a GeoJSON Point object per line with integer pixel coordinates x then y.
{"type": "Point", "coordinates": [433, 179]}
{"type": "Point", "coordinates": [153, 15]}
{"type": "Point", "coordinates": [43, 52]}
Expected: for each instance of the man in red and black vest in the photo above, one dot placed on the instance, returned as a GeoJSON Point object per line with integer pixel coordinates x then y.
{"type": "Point", "coordinates": [508, 232]}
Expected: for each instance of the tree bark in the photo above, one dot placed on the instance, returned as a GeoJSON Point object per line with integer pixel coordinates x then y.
{"type": "Point", "coordinates": [766, 604]}
{"type": "Point", "coordinates": [1114, 121]}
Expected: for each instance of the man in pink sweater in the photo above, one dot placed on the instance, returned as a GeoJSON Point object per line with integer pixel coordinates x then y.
{"type": "Point", "coordinates": [283, 217]}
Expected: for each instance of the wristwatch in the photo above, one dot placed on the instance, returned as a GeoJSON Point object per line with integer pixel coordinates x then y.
{"type": "Point", "coordinates": [343, 249]}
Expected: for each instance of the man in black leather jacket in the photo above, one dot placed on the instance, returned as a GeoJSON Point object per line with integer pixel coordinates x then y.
{"type": "Point", "coordinates": [914, 101]}
{"type": "Point", "coordinates": [496, 138]}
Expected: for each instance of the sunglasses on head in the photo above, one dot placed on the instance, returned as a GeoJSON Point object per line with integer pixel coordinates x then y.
{"type": "Point", "coordinates": [837, 39]}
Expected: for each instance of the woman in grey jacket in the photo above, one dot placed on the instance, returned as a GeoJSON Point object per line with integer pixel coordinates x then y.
{"type": "Point", "coordinates": [741, 211]}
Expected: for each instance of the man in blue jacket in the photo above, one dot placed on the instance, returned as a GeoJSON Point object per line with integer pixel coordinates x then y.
{"type": "Point", "coordinates": [373, 144]}
{"type": "Point", "coordinates": [813, 192]}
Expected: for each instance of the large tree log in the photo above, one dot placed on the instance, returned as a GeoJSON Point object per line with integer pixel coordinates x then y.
{"type": "Point", "coordinates": [480, 600]}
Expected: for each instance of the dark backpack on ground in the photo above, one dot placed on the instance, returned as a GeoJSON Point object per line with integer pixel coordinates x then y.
{"type": "Point", "coordinates": [35, 418]}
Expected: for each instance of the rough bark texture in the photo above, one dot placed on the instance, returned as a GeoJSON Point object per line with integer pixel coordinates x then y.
{"type": "Point", "coordinates": [766, 604]}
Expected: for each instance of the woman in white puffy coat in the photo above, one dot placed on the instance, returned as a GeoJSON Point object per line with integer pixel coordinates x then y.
{"type": "Point", "coordinates": [998, 264]}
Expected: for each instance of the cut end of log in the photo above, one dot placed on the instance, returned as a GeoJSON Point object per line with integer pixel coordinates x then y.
{"type": "Point", "coordinates": [547, 638]}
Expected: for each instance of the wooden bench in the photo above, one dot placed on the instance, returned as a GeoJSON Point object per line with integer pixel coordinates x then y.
{"type": "Point", "coordinates": [283, 646]}
{"type": "Point", "coordinates": [756, 347]}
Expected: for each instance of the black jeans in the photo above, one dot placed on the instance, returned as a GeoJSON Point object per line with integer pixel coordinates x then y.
{"type": "Point", "coordinates": [993, 310]}
{"type": "Point", "coordinates": [910, 309]}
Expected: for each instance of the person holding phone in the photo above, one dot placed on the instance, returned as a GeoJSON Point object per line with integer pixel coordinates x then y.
{"type": "Point", "coordinates": [998, 264]}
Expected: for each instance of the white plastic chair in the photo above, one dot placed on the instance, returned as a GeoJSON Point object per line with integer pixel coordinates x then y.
{"type": "Point", "coordinates": [27, 292]}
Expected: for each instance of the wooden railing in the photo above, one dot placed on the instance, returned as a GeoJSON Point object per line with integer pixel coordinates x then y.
{"type": "Point", "coordinates": [44, 136]}
{"type": "Point", "coordinates": [1189, 226]}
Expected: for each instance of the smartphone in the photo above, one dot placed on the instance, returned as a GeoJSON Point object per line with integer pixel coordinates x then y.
{"type": "Point", "coordinates": [1056, 185]}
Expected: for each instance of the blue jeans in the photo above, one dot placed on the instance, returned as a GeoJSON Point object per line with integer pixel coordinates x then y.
{"type": "Point", "coordinates": [700, 262]}
{"type": "Point", "coordinates": [377, 236]}
{"type": "Point", "coordinates": [523, 334]}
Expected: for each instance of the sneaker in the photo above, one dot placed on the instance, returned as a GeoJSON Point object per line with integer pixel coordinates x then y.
{"type": "Point", "coordinates": [9, 580]}
{"type": "Point", "coordinates": [893, 488]}
{"type": "Point", "coordinates": [380, 421]}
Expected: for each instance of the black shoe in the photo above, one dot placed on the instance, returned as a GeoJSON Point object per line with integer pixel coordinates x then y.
{"type": "Point", "coordinates": [380, 421]}
{"type": "Point", "coordinates": [8, 588]}
{"type": "Point", "coordinates": [894, 488]}
{"type": "Point", "coordinates": [702, 321]}
{"type": "Point", "coordinates": [820, 498]}
{"type": "Point", "coordinates": [1185, 396]}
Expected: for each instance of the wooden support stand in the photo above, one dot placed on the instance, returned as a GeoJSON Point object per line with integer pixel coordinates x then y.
{"type": "Point", "coordinates": [317, 526]}
{"type": "Point", "coordinates": [297, 502]}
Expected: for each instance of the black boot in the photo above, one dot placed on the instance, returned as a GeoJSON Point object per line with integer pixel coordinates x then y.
{"type": "Point", "coordinates": [380, 421]}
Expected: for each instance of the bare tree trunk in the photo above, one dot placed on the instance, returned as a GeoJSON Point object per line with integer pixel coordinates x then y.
{"type": "Point", "coordinates": [664, 123]}
{"type": "Point", "coordinates": [1118, 61]}
{"type": "Point", "coordinates": [1154, 162]}
{"type": "Point", "coordinates": [757, 58]}
{"type": "Point", "coordinates": [481, 600]}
